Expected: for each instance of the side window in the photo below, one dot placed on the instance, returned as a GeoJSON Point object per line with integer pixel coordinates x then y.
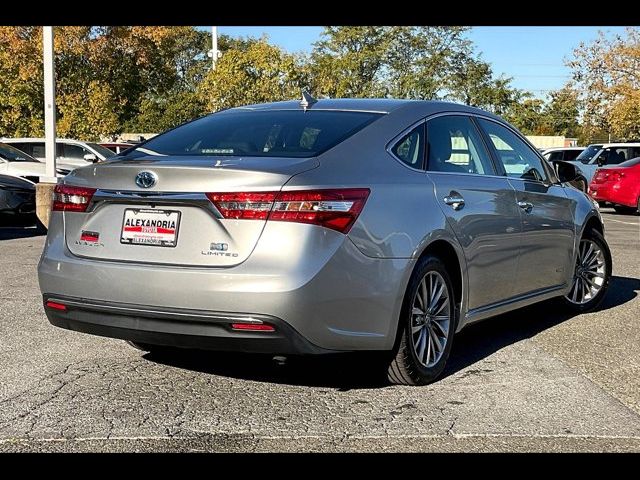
{"type": "Point", "coordinates": [517, 157]}
{"type": "Point", "coordinates": [555, 156]}
{"type": "Point", "coordinates": [454, 145]}
{"type": "Point", "coordinates": [74, 151]}
{"type": "Point", "coordinates": [38, 150]}
{"type": "Point", "coordinates": [410, 148]}
{"type": "Point", "coordinates": [571, 154]}
{"type": "Point", "coordinates": [24, 147]}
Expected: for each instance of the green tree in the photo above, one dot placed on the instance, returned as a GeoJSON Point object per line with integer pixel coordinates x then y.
{"type": "Point", "coordinates": [526, 114]}
{"type": "Point", "coordinates": [401, 62]}
{"type": "Point", "coordinates": [472, 82]}
{"type": "Point", "coordinates": [104, 77]}
{"type": "Point", "coordinates": [21, 80]}
{"type": "Point", "coordinates": [256, 72]}
{"type": "Point", "coordinates": [606, 73]}
{"type": "Point", "coordinates": [560, 114]}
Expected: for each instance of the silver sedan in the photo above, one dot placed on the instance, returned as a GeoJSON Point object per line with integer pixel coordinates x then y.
{"type": "Point", "coordinates": [321, 226]}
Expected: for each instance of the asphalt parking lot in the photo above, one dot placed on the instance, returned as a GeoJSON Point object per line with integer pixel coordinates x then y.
{"type": "Point", "coordinates": [532, 380]}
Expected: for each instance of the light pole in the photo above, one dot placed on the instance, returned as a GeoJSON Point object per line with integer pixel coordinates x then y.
{"type": "Point", "coordinates": [49, 104]}
{"type": "Point", "coordinates": [44, 189]}
{"type": "Point", "coordinates": [214, 53]}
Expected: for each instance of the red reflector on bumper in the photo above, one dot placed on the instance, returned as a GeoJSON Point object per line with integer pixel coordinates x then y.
{"type": "Point", "coordinates": [56, 306]}
{"type": "Point", "coordinates": [256, 327]}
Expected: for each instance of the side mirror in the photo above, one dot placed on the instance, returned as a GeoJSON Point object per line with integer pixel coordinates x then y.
{"type": "Point", "coordinates": [600, 161]}
{"type": "Point", "coordinates": [91, 157]}
{"type": "Point", "coordinates": [567, 172]}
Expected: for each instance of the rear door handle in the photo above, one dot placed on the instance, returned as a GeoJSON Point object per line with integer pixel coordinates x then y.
{"type": "Point", "coordinates": [526, 206]}
{"type": "Point", "coordinates": [454, 200]}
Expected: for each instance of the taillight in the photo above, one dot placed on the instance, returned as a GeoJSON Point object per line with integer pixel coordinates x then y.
{"type": "Point", "coordinates": [71, 199]}
{"type": "Point", "coordinates": [600, 175]}
{"type": "Point", "coordinates": [250, 206]}
{"type": "Point", "coordinates": [615, 176]}
{"type": "Point", "coordinates": [56, 306]}
{"type": "Point", "coordinates": [337, 209]}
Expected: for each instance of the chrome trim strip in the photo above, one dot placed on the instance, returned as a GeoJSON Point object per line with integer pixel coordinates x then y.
{"type": "Point", "coordinates": [494, 306]}
{"type": "Point", "coordinates": [101, 197]}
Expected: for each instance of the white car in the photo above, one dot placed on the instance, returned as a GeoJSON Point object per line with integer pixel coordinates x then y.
{"type": "Point", "coordinates": [70, 154]}
{"type": "Point", "coordinates": [608, 154]}
{"type": "Point", "coordinates": [19, 164]}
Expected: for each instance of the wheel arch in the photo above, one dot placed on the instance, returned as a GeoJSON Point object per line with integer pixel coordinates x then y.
{"type": "Point", "coordinates": [592, 222]}
{"type": "Point", "coordinates": [443, 245]}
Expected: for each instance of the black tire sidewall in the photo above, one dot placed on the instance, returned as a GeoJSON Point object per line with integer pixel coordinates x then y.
{"type": "Point", "coordinates": [427, 264]}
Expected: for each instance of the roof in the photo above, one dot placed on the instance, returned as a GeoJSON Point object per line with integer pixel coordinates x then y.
{"type": "Point", "coordinates": [556, 149]}
{"type": "Point", "coordinates": [35, 139]}
{"type": "Point", "coordinates": [382, 105]}
{"type": "Point", "coordinates": [379, 105]}
{"type": "Point", "coordinates": [621, 144]}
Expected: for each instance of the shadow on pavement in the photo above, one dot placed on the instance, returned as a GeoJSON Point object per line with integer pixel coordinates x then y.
{"type": "Point", "coordinates": [366, 370]}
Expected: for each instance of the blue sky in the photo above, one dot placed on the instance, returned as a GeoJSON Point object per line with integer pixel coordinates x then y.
{"type": "Point", "coordinates": [533, 56]}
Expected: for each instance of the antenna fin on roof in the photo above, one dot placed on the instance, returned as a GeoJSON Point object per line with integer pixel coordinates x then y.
{"type": "Point", "coordinates": [307, 100]}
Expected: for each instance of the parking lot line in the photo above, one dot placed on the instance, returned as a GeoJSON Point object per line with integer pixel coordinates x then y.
{"type": "Point", "coordinates": [607, 219]}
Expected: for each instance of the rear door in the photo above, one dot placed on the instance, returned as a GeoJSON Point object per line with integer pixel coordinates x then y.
{"type": "Point", "coordinates": [72, 155]}
{"type": "Point", "coordinates": [479, 205]}
{"type": "Point", "coordinates": [548, 232]}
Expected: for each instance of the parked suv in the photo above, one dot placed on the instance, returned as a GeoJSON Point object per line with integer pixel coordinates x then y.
{"type": "Point", "coordinates": [70, 154]}
{"type": "Point", "coordinates": [321, 226]}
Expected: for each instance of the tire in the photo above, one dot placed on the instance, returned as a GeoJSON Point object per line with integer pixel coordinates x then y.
{"type": "Point", "coordinates": [602, 204]}
{"type": "Point", "coordinates": [416, 359]}
{"type": "Point", "coordinates": [576, 300]}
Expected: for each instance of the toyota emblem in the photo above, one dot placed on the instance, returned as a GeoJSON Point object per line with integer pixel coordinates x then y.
{"type": "Point", "coordinates": [146, 179]}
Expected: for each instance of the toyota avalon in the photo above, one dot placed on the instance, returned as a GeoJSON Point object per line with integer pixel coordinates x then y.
{"type": "Point", "coordinates": [321, 226]}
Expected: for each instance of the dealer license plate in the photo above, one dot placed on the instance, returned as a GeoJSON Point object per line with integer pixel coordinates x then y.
{"type": "Point", "coordinates": [157, 228]}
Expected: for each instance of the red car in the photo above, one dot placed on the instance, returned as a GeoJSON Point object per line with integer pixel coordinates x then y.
{"type": "Point", "coordinates": [618, 184]}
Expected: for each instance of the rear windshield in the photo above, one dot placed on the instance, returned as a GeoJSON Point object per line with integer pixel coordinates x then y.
{"type": "Point", "coordinates": [588, 153]}
{"type": "Point", "coordinates": [12, 154]}
{"type": "Point", "coordinates": [274, 133]}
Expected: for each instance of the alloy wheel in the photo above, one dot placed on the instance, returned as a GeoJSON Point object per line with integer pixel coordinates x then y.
{"type": "Point", "coordinates": [589, 275]}
{"type": "Point", "coordinates": [430, 319]}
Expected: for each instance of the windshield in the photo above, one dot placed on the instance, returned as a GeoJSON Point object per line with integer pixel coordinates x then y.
{"type": "Point", "coordinates": [12, 154]}
{"type": "Point", "coordinates": [104, 151]}
{"type": "Point", "coordinates": [588, 153]}
{"type": "Point", "coordinates": [272, 133]}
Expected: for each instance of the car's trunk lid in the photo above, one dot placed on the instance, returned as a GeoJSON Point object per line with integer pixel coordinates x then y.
{"type": "Point", "coordinates": [175, 210]}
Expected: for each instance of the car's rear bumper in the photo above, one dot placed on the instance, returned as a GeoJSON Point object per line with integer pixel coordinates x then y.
{"type": "Point", "coordinates": [608, 193]}
{"type": "Point", "coordinates": [177, 327]}
{"type": "Point", "coordinates": [313, 279]}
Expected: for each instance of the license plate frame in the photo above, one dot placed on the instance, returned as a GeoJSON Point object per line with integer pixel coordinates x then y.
{"type": "Point", "coordinates": [164, 243]}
